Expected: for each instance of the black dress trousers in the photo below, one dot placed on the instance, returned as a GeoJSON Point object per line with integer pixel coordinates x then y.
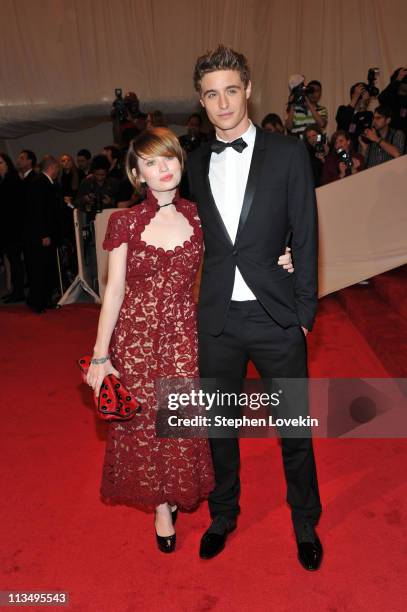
{"type": "Point", "coordinates": [42, 273]}
{"type": "Point", "coordinates": [251, 334]}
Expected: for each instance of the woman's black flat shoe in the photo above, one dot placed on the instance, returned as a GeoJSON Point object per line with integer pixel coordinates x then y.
{"type": "Point", "coordinates": [166, 543]}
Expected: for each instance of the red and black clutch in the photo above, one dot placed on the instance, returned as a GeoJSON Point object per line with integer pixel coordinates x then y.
{"type": "Point", "coordinates": [115, 402]}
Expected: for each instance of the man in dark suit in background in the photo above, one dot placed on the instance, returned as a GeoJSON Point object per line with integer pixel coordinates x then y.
{"type": "Point", "coordinates": [252, 189]}
{"type": "Point", "coordinates": [26, 162]}
{"type": "Point", "coordinates": [13, 220]}
{"type": "Point", "coordinates": [42, 234]}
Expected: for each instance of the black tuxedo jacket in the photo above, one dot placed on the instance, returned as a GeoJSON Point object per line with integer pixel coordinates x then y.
{"type": "Point", "coordinates": [279, 199]}
{"type": "Point", "coordinates": [27, 181]}
{"type": "Point", "coordinates": [12, 210]}
{"type": "Point", "coordinates": [43, 217]}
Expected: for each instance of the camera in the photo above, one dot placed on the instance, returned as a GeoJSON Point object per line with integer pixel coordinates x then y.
{"type": "Point", "coordinates": [346, 158]}
{"type": "Point", "coordinates": [372, 76]}
{"type": "Point", "coordinates": [364, 121]}
{"type": "Point", "coordinates": [320, 144]}
{"type": "Point", "coordinates": [94, 205]}
{"type": "Point", "coordinates": [300, 92]}
{"type": "Point", "coordinates": [123, 107]}
{"type": "Point", "coordinates": [119, 110]}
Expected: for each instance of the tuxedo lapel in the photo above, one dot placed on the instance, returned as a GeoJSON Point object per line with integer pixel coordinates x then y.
{"type": "Point", "coordinates": [259, 151]}
{"type": "Point", "coordinates": [206, 158]}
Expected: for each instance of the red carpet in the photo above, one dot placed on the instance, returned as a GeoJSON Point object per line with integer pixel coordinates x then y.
{"type": "Point", "coordinates": [57, 535]}
{"type": "Point", "coordinates": [381, 323]}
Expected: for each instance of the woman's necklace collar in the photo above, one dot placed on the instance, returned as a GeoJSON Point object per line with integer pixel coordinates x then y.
{"type": "Point", "coordinates": [163, 205]}
{"type": "Point", "coordinates": [152, 200]}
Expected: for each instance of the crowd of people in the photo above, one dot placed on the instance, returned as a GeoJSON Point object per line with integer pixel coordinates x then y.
{"type": "Point", "coordinates": [37, 200]}
{"type": "Point", "coordinates": [370, 129]}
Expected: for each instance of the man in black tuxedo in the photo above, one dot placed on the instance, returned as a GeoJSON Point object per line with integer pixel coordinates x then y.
{"type": "Point", "coordinates": [42, 234]}
{"type": "Point", "coordinates": [26, 163]}
{"type": "Point", "coordinates": [252, 190]}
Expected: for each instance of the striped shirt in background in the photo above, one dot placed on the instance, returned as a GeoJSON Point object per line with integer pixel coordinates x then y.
{"type": "Point", "coordinates": [375, 155]}
{"type": "Point", "coordinates": [302, 118]}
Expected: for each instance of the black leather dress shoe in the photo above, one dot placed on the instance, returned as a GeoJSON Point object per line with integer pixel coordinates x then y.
{"type": "Point", "coordinates": [214, 539]}
{"type": "Point", "coordinates": [310, 549]}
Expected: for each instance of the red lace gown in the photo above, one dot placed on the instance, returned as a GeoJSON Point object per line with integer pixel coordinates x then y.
{"type": "Point", "coordinates": [155, 337]}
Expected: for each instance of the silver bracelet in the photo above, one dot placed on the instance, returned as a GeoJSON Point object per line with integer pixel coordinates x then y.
{"type": "Point", "coordinates": [100, 360]}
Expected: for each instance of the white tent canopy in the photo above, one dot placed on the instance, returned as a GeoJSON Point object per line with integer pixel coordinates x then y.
{"type": "Point", "coordinates": [62, 59]}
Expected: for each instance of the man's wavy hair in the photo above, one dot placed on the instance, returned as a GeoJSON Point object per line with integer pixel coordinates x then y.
{"type": "Point", "coordinates": [221, 58]}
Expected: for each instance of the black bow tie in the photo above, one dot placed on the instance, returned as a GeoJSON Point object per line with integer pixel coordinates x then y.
{"type": "Point", "coordinates": [217, 146]}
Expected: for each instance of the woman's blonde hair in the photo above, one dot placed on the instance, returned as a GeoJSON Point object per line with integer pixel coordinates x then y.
{"type": "Point", "coordinates": [154, 142]}
{"type": "Point", "coordinates": [74, 172]}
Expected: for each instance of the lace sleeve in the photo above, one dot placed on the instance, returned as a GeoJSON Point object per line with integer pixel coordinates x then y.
{"type": "Point", "coordinates": [117, 230]}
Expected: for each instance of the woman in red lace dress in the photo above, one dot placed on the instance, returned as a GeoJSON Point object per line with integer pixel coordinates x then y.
{"type": "Point", "coordinates": [148, 321]}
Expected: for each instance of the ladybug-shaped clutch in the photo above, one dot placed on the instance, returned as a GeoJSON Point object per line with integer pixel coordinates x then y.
{"type": "Point", "coordinates": [115, 402]}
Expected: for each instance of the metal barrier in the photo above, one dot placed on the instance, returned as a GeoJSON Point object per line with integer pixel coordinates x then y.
{"type": "Point", "coordinates": [82, 283]}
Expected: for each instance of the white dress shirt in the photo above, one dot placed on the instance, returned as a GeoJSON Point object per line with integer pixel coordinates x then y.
{"type": "Point", "coordinates": [48, 177]}
{"type": "Point", "coordinates": [228, 173]}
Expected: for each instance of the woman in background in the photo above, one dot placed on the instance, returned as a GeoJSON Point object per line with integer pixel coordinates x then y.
{"type": "Point", "coordinates": [68, 178]}
{"type": "Point", "coordinates": [68, 181]}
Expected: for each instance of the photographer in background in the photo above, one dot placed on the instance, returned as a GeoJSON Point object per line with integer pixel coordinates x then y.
{"type": "Point", "coordinates": [315, 142]}
{"type": "Point", "coordinates": [123, 114]}
{"type": "Point", "coordinates": [98, 191]}
{"type": "Point", "coordinates": [395, 97]}
{"type": "Point", "coordinates": [341, 161]}
{"type": "Point", "coordinates": [355, 117]}
{"type": "Point", "coordinates": [303, 107]}
{"type": "Point", "coordinates": [381, 143]}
